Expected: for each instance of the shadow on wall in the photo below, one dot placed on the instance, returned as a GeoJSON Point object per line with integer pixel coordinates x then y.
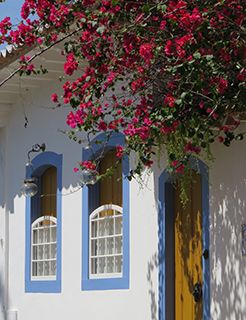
{"type": "Point", "coordinates": [228, 266]}
{"type": "Point", "coordinates": [155, 264]}
{"type": "Point", "coordinates": [2, 307]}
{"type": "Point", "coordinates": [151, 269]}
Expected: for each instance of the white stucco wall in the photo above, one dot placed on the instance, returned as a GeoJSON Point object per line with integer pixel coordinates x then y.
{"type": "Point", "coordinates": [141, 300]}
{"type": "Point", "coordinates": [227, 213]}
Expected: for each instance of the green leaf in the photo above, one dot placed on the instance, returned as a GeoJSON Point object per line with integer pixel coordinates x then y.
{"type": "Point", "coordinates": [162, 8]}
{"type": "Point", "coordinates": [101, 29]}
{"type": "Point", "coordinates": [197, 55]}
{"type": "Point", "coordinates": [146, 8]}
{"type": "Point", "coordinates": [178, 101]}
{"type": "Point", "coordinates": [183, 95]}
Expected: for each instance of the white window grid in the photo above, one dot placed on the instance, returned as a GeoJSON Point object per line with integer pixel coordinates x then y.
{"type": "Point", "coordinates": [43, 248]}
{"type": "Point", "coordinates": [106, 242]}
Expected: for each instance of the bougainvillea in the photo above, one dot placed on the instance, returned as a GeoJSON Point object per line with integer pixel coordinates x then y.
{"type": "Point", "coordinates": [162, 72]}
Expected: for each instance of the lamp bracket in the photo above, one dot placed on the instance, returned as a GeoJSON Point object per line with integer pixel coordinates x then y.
{"type": "Point", "coordinates": [36, 148]}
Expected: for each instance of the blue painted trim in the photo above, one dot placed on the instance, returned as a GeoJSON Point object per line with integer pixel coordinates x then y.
{"type": "Point", "coordinates": [164, 178]}
{"type": "Point", "coordinates": [109, 283]}
{"type": "Point", "coordinates": [40, 163]}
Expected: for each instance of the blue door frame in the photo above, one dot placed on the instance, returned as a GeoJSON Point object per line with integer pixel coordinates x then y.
{"type": "Point", "coordinates": [163, 209]}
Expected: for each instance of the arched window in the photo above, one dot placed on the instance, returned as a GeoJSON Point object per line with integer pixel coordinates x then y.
{"type": "Point", "coordinates": [43, 226]}
{"type": "Point", "coordinates": [105, 229]}
{"type": "Point", "coordinates": [106, 232]}
{"type": "Point", "coordinates": [43, 239]}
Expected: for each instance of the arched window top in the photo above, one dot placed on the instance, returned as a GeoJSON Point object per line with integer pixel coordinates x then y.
{"type": "Point", "coordinates": [100, 212]}
{"type": "Point", "coordinates": [102, 141]}
{"type": "Point", "coordinates": [44, 220]}
{"type": "Point", "coordinates": [43, 161]}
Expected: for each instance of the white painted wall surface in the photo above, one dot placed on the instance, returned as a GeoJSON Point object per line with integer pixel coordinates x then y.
{"type": "Point", "coordinates": [140, 301]}
{"type": "Point", "coordinates": [227, 212]}
{"type": "Point", "coordinates": [3, 224]}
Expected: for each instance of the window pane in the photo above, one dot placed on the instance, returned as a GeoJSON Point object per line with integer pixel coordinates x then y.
{"type": "Point", "coordinates": [94, 229]}
{"type": "Point", "coordinates": [94, 262]}
{"type": "Point", "coordinates": [40, 265]}
{"type": "Point", "coordinates": [118, 244]}
{"type": "Point", "coordinates": [53, 268]}
{"type": "Point", "coordinates": [46, 268]}
{"type": "Point", "coordinates": [102, 228]}
{"type": "Point", "coordinates": [101, 265]}
{"type": "Point", "coordinates": [34, 268]}
{"type": "Point", "coordinates": [53, 234]}
{"type": "Point", "coordinates": [35, 236]}
{"type": "Point", "coordinates": [53, 251]}
{"type": "Point", "coordinates": [94, 247]}
{"type": "Point", "coordinates": [109, 245]}
{"type": "Point", "coordinates": [101, 247]}
{"type": "Point", "coordinates": [118, 264]}
{"type": "Point", "coordinates": [40, 252]}
{"type": "Point", "coordinates": [46, 235]}
{"type": "Point", "coordinates": [109, 226]}
{"type": "Point", "coordinates": [118, 225]}
{"type": "Point", "coordinates": [110, 264]}
{"type": "Point", "coordinates": [46, 251]}
{"type": "Point", "coordinates": [35, 253]}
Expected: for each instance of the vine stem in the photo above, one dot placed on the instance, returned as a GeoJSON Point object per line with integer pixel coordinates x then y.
{"type": "Point", "coordinates": [39, 54]}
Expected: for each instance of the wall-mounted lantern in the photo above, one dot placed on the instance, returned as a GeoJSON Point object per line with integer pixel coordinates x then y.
{"type": "Point", "coordinates": [88, 176]}
{"type": "Point", "coordinates": [29, 187]}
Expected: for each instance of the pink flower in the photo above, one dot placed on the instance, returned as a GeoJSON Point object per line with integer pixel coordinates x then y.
{"type": "Point", "coordinates": [148, 163]}
{"type": "Point", "coordinates": [222, 85]}
{"type": "Point", "coordinates": [168, 48]}
{"type": "Point", "coordinates": [70, 65]}
{"type": "Point", "coordinates": [180, 168]}
{"type": "Point", "coordinates": [88, 165]}
{"type": "Point", "coordinates": [146, 52]}
{"type": "Point", "coordinates": [190, 148]}
{"type": "Point", "coordinates": [169, 100]}
{"type": "Point", "coordinates": [75, 169]}
{"type": "Point", "coordinates": [135, 85]}
{"type": "Point", "coordinates": [102, 125]}
{"type": "Point", "coordinates": [30, 67]}
{"type": "Point", "coordinates": [221, 139]}
{"type": "Point", "coordinates": [119, 151]}
{"type": "Point", "coordinates": [39, 40]}
{"type": "Point", "coordinates": [54, 98]}
{"type": "Point", "coordinates": [163, 25]}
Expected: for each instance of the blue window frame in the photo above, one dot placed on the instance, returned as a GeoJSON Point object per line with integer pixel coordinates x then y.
{"type": "Point", "coordinates": [90, 203]}
{"type": "Point", "coordinates": [40, 164]}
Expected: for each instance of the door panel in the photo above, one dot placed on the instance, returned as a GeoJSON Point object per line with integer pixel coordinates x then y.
{"type": "Point", "coordinates": [188, 251]}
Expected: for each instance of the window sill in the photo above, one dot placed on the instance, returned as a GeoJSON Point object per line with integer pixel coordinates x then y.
{"type": "Point", "coordinates": [105, 284]}
{"type": "Point", "coordinates": [43, 286]}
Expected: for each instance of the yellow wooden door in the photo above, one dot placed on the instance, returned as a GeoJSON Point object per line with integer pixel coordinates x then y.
{"type": "Point", "coordinates": [188, 252]}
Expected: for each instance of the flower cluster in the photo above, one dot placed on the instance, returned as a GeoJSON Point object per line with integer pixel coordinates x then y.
{"type": "Point", "coordinates": [90, 165]}
{"type": "Point", "coordinates": [160, 72]}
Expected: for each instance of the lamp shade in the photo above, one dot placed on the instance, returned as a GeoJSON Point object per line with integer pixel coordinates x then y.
{"type": "Point", "coordinates": [88, 177]}
{"type": "Point", "coordinates": [29, 188]}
